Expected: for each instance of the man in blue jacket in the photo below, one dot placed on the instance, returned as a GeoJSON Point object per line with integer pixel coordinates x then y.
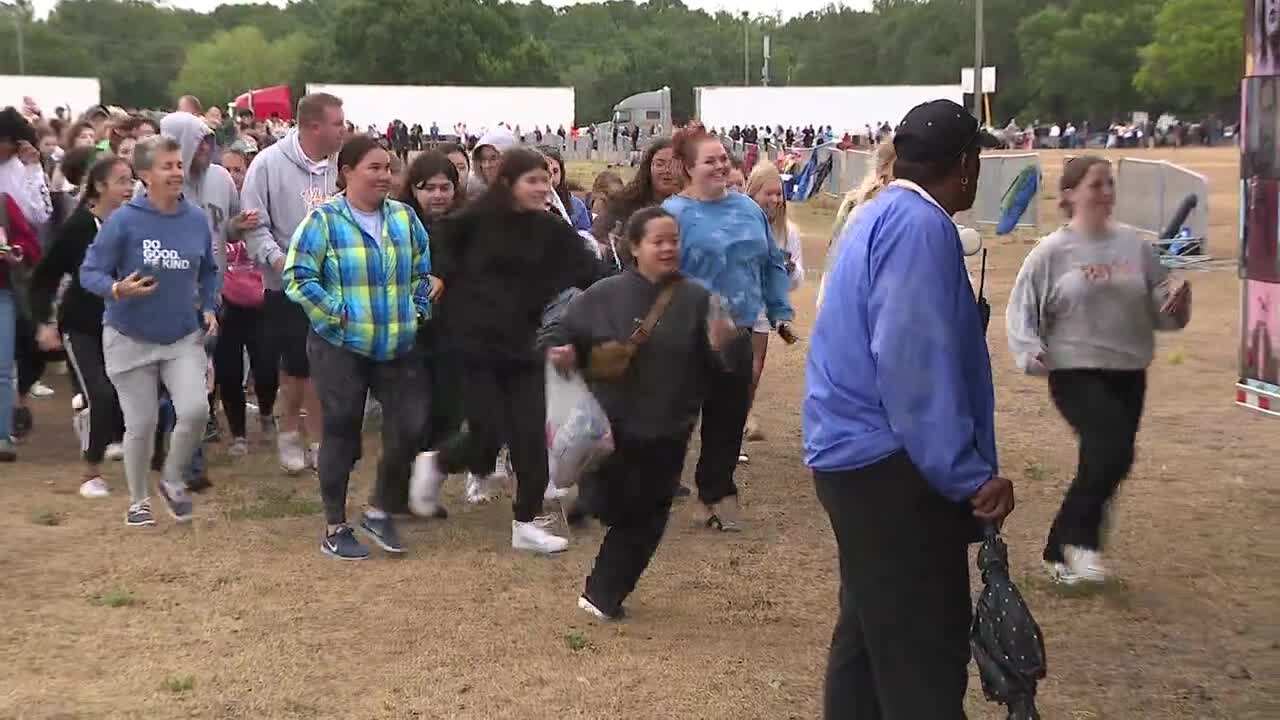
{"type": "Point", "coordinates": [899, 431]}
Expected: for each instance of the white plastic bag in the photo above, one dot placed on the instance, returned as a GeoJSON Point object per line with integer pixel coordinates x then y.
{"type": "Point", "coordinates": [578, 434]}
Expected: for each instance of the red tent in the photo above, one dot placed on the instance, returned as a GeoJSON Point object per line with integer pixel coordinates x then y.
{"type": "Point", "coordinates": [268, 101]}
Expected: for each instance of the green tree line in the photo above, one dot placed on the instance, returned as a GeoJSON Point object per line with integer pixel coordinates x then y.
{"type": "Point", "coordinates": [1056, 58]}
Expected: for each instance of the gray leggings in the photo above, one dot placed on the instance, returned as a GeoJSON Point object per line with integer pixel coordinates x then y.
{"type": "Point", "coordinates": [137, 370]}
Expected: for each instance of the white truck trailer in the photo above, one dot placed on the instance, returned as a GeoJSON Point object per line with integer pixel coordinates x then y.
{"type": "Point", "coordinates": [77, 94]}
{"type": "Point", "coordinates": [447, 105]}
{"type": "Point", "coordinates": [844, 108]}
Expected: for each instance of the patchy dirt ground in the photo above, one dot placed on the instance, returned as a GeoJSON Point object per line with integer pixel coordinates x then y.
{"type": "Point", "coordinates": [239, 616]}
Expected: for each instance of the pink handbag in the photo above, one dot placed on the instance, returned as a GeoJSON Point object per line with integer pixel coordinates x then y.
{"type": "Point", "coordinates": [242, 284]}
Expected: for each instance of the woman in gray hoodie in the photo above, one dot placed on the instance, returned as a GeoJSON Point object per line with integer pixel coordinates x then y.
{"type": "Point", "coordinates": [652, 406]}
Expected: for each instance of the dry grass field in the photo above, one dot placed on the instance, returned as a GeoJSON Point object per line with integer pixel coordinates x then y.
{"type": "Point", "coordinates": [240, 616]}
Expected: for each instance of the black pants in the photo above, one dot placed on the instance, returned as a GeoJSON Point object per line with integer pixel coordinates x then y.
{"type": "Point", "coordinates": [289, 329]}
{"type": "Point", "coordinates": [106, 421]}
{"type": "Point", "coordinates": [724, 413]}
{"type": "Point", "coordinates": [503, 406]}
{"type": "Point", "coordinates": [344, 380]}
{"type": "Point", "coordinates": [27, 356]}
{"type": "Point", "coordinates": [242, 329]}
{"type": "Point", "coordinates": [1104, 407]}
{"type": "Point", "coordinates": [900, 650]}
{"type": "Point", "coordinates": [634, 488]}
{"type": "Point", "coordinates": [444, 416]}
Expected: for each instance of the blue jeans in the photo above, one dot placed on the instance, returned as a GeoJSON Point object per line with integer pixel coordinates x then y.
{"type": "Point", "coordinates": [8, 334]}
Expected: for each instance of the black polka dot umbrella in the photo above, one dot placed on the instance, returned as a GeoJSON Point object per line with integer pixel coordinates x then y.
{"type": "Point", "coordinates": [1005, 639]}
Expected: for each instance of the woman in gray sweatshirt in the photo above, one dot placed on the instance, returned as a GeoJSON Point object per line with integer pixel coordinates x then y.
{"type": "Point", "coordinates": [1084, 311]}
{"type": "Point", "coordinates": [652, 407]}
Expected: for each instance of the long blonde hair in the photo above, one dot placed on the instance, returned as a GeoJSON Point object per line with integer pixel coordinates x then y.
{"type": "Point", "coordinates": [877, 178]}
{"type": "Point", "coordinates": [762, 174]}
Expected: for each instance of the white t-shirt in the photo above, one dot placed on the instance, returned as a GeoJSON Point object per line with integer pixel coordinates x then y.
{"type": "Point", "coordinates": [370, 222]}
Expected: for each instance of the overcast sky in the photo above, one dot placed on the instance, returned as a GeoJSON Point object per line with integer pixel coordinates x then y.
{"type": "Point", "coordinates": [763, 7]}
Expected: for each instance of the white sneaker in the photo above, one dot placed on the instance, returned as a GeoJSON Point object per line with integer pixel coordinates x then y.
{"type": "Point", "coordinates": [94, 487]}
{"type": "Point", "coordinates": [554, 493]}
{"type": "Point", "coordinates": [292, 458]}
{"type": "Point", "coordinates": [239, 447]}
{"type": "Point", "coordinates": [40, 390]}
{"type": "Point", "coordinates": [78, 403]}
{"type": "Point", "coordinates": [475, 490]}
{"type": "Point", "coordinates": [1084, 563]}
{"type": "Point", "coordinates": [591, 609]}
{"type": "Point", "coordinates": [313, 457]}
{"type": "Point", "coordinates": [115, 452]}
{"type": "Point", "coordinates": [528, 536]}
{"type": "Point", "coordinates": [424, 484]}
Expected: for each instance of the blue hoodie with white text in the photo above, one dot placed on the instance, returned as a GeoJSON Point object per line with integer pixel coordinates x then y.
{"type": "Point", "coordinates": [176, 249]}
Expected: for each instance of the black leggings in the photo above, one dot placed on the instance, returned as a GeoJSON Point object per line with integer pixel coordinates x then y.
{"type": "Point", "coordinates": [1104, 407]}
{"type": "Point", "coordinates": [106, 422]}
{"type": "Point", "coordinates": [503, 406]}
{"type": "Point", "coordinates": [634, 488]}
{"type": "Point", "coordinates": [242, 329]}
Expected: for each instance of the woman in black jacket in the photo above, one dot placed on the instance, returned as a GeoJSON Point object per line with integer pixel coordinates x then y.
{"type": "Point", "coordinates": [109, 185]}
{"type": "Point", "coordinates": [509, 258]}
{"type": "Point", "coordinates": [432, 187]}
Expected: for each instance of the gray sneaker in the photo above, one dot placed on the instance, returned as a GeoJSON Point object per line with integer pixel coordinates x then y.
{"type": "Point", "coordinates": [177, 501]}
{"type": "Point", "coordinates": [139, 515]}
{"type": "Point", "coordinates": [8, 451]}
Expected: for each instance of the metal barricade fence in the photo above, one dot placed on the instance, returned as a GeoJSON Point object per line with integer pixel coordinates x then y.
{"type": "Point", "coordinates": [1148, 193]}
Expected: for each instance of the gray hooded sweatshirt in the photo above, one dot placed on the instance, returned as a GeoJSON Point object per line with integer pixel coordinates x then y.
{"type": "Point", "coordinates": [283, 185]}
{"type": "Point", "coordinates": [211, 189]}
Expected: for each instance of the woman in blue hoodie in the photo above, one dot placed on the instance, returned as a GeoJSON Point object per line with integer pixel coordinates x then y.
{"type": "Point", "coordinates": [728, 247]}
{"type": "Point", "coordinates": [150, 261]}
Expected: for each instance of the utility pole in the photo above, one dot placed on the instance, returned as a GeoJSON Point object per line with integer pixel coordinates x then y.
{"type": "Point", "coordinates": [764, 70]}
{"type": "Point", "coordinates": [746, 48]}
{"type": "Point", "coordinates": [977, 61]}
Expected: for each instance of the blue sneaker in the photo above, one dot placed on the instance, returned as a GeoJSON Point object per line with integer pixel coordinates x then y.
{"type": "Point", "coordinates": [382, 532]}
{"type": "Point", "coordinates": [177, 501]}
{"type": "Point", "coordinates": [343, 545]}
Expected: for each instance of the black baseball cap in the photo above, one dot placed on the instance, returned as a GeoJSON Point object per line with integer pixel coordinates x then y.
{"type": "Point", "coordinates": [939, 131]}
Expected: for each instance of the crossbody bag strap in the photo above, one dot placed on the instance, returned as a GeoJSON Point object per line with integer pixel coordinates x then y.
{"type": "Point", "coordinates": [656, 311]}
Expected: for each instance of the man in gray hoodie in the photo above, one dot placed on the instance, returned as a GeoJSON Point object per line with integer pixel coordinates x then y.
{"type": "Point", "coordinates": [210, 188]}
{"type": "Point", "coordinates": [207, 186]}
{"type": "Point", "coordinates": [284, 183]}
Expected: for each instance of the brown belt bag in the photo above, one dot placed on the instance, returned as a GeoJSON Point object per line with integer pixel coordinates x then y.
{"type": "Point", "coordinates": [610, 359]}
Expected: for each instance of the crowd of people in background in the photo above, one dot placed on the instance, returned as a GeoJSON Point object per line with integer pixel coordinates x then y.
{"type": "Point", "coordinates": [159, 255]}
{"type": "Point", "coordinates": [298, 270]}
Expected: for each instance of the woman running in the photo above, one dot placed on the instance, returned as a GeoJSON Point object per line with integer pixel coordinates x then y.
{"type": "Point", "coordinates": [433, 190]}
{"type": "Point", "coordinates": [655, 180]}
{"type": "Point", "coordinates": [360, 267]}
{"type": "Point", "coordinates": [764, 186]}
{"type": "Point", "coordinates": [652, 406]}
{"type": "Point", "coordinates": [79, 327]}
{"type": "Point", "coordinates": [579, 216]}
{"type": "Point", "coordinates": [160, 248]}
{"type": "Point", "coordinates": [1084, 310]}
{"type": "Point", "coordinates": [510, 258]}
{"type": "Point", "coordinates": [727, 245]}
